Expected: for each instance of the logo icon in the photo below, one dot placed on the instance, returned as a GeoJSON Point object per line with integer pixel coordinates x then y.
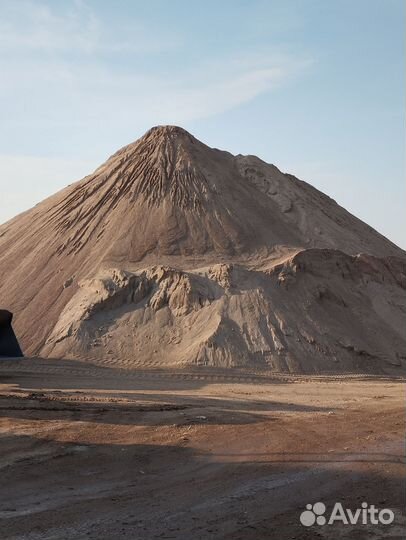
{"type": "Point", "coordinates": [313, 514]}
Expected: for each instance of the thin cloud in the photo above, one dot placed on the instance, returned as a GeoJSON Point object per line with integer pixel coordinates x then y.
{"type": "Point", "coordinates": [33, 27]}
{"type": "Point", "coordinates": [64, 70]}
{"type": "Point", "coordinates": [63, 90]}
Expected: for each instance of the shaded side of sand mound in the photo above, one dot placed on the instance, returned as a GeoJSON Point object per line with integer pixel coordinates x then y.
{"type": "Point", "coordinates": [9, 346]}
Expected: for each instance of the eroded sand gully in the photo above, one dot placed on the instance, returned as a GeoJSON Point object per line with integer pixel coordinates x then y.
{"type": "Point", "coordinates": [90, 452]}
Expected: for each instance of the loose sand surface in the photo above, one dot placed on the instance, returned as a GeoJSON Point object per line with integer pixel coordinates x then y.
{"type": "Point", "coordinates": [92, 452]}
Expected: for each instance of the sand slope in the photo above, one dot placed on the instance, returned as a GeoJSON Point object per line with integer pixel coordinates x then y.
{"type": "Point", "coordinates": [173, 253]}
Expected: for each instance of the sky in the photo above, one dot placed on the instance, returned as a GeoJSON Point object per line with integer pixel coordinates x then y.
{"type": "Point", "coordinates": [315, 87]}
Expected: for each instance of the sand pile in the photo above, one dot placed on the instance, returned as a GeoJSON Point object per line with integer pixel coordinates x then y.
{"type": "Point", "coordinates": [173, 253]}
{"type": "Point", "coordinates": [319, 310]}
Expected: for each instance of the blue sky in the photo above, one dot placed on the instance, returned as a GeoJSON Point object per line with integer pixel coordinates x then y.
{"type": "Point", "coordinates": [314, 86]}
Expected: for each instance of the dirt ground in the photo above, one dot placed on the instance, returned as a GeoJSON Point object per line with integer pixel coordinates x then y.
{"type": "Point", "coordinates": [92, 452]}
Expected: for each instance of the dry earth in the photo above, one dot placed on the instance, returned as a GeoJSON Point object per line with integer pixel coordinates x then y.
{"type": "Point", "coordinates": [92, 452]}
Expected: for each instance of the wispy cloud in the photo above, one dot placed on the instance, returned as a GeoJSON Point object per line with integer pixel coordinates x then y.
{"type": "Point", "coordinates": [70, 27]}
{"type": "Point", "coordinates": [87, 87]}
{"type": "Point", "coordinates": [33, 26]}
{"type": "Point", "coordinates": [228, 85]}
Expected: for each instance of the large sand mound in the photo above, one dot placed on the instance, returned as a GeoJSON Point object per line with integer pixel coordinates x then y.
{"type": "Point", "coordinates": [173, 253]}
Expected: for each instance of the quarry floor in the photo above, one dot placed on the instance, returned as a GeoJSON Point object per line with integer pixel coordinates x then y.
{"type": "Point", "coordinates": [99, 453]}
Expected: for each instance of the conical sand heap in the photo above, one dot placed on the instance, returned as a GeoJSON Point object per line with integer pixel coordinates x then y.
{"type": "Point", "coordinates": [172, 253]}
